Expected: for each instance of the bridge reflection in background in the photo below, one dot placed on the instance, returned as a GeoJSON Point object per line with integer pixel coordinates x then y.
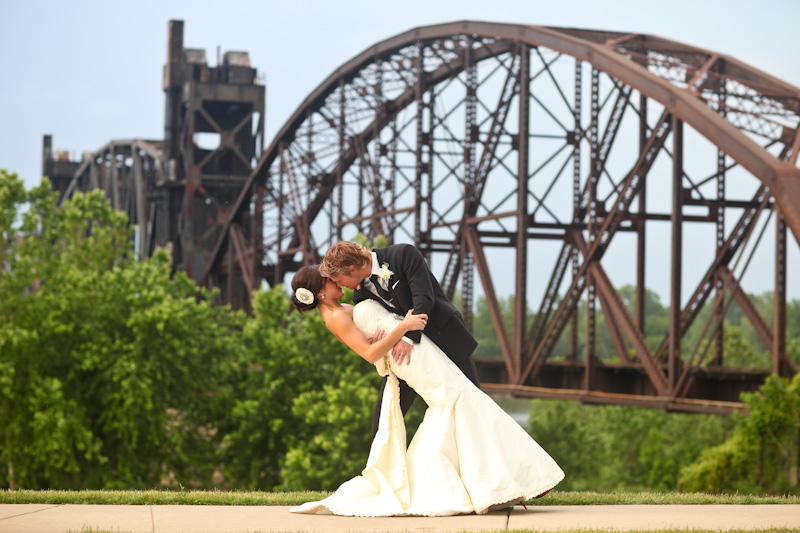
{"type": "Point", "coordinates": [552, 154]}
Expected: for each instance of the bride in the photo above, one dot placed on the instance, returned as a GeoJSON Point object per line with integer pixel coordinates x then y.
{"type": "Point", "coordinates": [467, 456]}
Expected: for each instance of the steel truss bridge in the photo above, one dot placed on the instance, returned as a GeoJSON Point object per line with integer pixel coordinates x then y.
{"type": "Point", "coordinates": [538, 160]}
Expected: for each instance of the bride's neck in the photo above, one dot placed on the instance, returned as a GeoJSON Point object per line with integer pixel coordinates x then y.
{"type": "Point", "coordinates": [325, 306]}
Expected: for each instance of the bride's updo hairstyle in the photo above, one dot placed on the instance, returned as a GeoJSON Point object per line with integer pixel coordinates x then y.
{"type": "Point", "coordinates": [306, 283]}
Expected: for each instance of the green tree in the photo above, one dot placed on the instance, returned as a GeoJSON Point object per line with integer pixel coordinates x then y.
{"type": "Point", "coordinates": [793, 350]}
{"type": "Point", "coordinates": [604, 448]}
{"type": "Point", "coordinates": [740, 353]}
{"type": "Point", "coordinates": [567, 432]}
{"type": "Point", "coordinates": [761, 455]}
{"type": "Point", "coordinates": [284, 355]}
{"type": "Point", "coordinates": [339, 432]}
{"type": "Point", "coordinates": [722, 468]}
{"type": "Point", "coordinates": [674, 440]}
{"type": "Point", "coordinates": [108, 367]}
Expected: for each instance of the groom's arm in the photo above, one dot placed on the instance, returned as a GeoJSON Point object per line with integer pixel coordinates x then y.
{"type": "Point", "coordinates": [417, 275]}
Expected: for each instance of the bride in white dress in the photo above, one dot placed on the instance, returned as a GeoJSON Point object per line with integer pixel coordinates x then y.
{"type": "Point", "coordinates": [467, 455]}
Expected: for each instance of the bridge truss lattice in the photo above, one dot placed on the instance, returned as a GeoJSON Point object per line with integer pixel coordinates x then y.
{"type": "Point", "coordinates": [544, 161]}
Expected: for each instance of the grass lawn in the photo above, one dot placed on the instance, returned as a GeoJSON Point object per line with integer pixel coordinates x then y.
{"type": "Point", "coordinates": [196, 497]}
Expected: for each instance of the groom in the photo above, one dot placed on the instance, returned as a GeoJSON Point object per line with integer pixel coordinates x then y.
{"type": "Point", "coordinates": [399, 278]}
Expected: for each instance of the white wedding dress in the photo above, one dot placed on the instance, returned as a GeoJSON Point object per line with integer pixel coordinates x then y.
{"type": "Point", "coordinates": [467, 454]}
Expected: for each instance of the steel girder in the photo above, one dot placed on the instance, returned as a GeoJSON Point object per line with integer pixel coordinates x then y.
{"type": "Point", "coordinates": [129, 172]}
{"type": "Point", "coordinates": [458, 137]}
{"type": "Point", "coordinates": [177, 192]}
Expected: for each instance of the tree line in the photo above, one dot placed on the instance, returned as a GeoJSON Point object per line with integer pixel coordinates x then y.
{"type": "Point", "coordinates": [742, 347]}
{"type": "Point", "coordinates": [117, 373]}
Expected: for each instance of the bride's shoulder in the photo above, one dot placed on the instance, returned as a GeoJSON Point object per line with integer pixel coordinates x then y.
{"type": "Point", "coordinates": [336, 316]}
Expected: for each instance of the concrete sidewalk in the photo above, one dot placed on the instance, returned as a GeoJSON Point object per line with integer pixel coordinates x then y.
{"type": "Point", "coordinates": [239, 519]}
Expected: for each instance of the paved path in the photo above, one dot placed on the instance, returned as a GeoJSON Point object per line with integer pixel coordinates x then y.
{"type": "Point", "coordinates": [41, 518]}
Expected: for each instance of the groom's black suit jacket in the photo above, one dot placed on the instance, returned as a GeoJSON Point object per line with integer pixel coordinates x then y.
{"type": "Point", "coordinates": [413, 286]}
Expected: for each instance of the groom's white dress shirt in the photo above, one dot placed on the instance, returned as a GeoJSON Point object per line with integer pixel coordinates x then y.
{"type": "Point", "coordinates": [371, 288]}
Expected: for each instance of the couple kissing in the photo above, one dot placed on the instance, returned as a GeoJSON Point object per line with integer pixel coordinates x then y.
{"type": "Point", "coordinates": [468, 455]}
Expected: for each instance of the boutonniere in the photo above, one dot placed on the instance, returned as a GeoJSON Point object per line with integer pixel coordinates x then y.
{"type": "Point", "coordinates": [384, 273]}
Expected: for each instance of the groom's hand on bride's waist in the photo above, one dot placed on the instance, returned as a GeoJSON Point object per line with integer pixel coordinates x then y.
{"type": "Point", "coordinates": [402, 353]}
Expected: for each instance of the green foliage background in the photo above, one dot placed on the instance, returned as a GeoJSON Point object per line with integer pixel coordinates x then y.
{"type": "Point", "coordinates": [117, 373]}
{"type": "Point", "coordinates": [606, 448]}
{"type": "Point", "coordinates": [108, 366]}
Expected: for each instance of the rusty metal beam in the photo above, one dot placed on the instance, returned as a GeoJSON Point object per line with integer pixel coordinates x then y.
{"type": "Point", "coordinates": [316, 100]}
{"type": "Point", "coordinates": [608, 398]}
{"type": "Point", "coordinates": [746, 305]}
{"type": "Point", "coordinates": [474, 189]}
{"type": "Point", "coordinates": [613, 329]}
{"type": "Point", "coordinates": [243, 261]}
{"type": "Point", "coordinates": [739, 235]}
{"type": "Point", "coordinates": [719, 338]}
{"type": "Point", "coordinates": [141, 202]}
{"type": "Point", "coordinates": [676, 256]}
{"type": "Point", "coordinates": [521, 266]}
{"type": "Point", "coordinates": [629, 189]}
{"type": "Point", "coordinates": [620, 314]}
{"type": "Point", "coordinates": [568, 252]}
{"type": "Point", "coordinates": [420, 165]}
{"type": "Point", "coordinates": [641, 227]}
{"type": "Point", "coordinates": [699, 76]}
{"type": "Point", "coordinates": [473, 242]}
{"type": "Point", "coordinates": [781, 364]}
{"type": "Point", "coordinates": [582, 201]}
{"type": "Point", "coordinates": [589, 357]}
{"type": "Point", "coordinates": [464, 260]}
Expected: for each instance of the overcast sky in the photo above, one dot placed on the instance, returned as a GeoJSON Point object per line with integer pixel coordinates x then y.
{"type": "Point", "coordinates": [91, 71]}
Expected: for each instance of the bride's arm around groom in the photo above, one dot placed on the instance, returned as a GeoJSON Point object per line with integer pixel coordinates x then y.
{"type": "Point", "coordinates": [399, 278]}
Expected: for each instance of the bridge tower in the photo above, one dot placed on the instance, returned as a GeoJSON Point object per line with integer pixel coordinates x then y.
{"type": "Point", "coordinates": [213, 136]}
{"type": "Point", "coordinates": [57, 165]}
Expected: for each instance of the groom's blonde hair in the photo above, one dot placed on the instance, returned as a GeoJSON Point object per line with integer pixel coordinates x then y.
{"type": "Point", "coordinates": [343, 257]}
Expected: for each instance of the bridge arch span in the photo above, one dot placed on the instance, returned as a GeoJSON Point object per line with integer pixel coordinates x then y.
{"type": "Point", "coordinates": [478, 139]}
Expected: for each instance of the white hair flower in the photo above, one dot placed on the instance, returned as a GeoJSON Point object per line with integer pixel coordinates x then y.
{"type": "Point", "coordinates": [304, 295]}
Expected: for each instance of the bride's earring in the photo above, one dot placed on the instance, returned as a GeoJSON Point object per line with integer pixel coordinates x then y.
{"type": "Point", "coordinates": [322, 296]}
